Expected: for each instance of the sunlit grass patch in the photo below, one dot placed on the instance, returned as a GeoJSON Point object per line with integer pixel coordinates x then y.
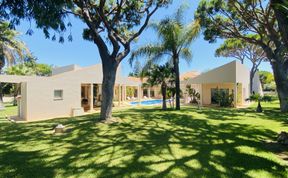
{"type": "Point", "coordinates": [148, 142]}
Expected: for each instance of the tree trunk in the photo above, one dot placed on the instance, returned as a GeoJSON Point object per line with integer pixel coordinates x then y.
{"type": "Point", "coordinates": [177, 82]}
{"type": "Point", "coordinates": [1, 97]}
{"type": "Point", "coordinates": [259, 107]}
{"type": "Point", "coordinates": [280, 70]}
{"type": "Point", "coordinates": [164, 91]}
{"type": "Point", "coordinates": [2, 64]}
{"type": "Point", "coordinates": [109, 67]}
{"type": "Point", "coordinates": [252, 74]}
{"type": "Point", "coordinates": [251, 82]}
{"type": "Point", "coordinates": [1, 92]}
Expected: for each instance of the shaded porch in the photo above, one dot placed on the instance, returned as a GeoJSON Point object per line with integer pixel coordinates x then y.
{"type": "Point", "coordinates": [16, 98]}
{"type": "Point", "coordinates": [208, 92]}
{"type": "Point", "coordinates": [91, 95]}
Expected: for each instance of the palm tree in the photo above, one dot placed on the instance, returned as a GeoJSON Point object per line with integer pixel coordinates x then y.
{"type": "Point", "coordinates": [175, 38]}
{"type": "Point", "coordinates": [159, 75]}
{"type": "Point", "coordinates": [11, 48]}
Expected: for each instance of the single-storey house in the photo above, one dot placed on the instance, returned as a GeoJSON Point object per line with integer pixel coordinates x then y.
{"type": "Point", "coordinates": [70, 91]}
{"type": "Point", "coordinates": [73, 90]}
{"type": "Point", "coordinates": [232, 78]}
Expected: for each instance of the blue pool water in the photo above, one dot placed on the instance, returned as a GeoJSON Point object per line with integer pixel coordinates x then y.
{"type": "Point", "coordinates": [147, 102]}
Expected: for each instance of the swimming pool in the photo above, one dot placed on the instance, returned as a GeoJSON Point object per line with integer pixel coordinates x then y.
{"type": "Point", "coordinates": [147, 102]}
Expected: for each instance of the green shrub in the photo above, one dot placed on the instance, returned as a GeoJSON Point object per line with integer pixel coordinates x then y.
{"type": "Point", "coordinates": [254, 97]}
{"type": "Point", "coordinates": [193, 94]}
{"type": "Point", "coordinates": [224, 99]}
{"type": "Point", "coordinates": [267, 98]}
{"type": "Point", "coordinates": [269, 86]}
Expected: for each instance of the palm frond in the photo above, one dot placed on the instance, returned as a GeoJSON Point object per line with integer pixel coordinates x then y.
{"type": "Point", "coordinates": [9, 56]}
{"type": "Point", "coordinates": [174, 39]}
{"type": "Point", "coordinates": [148, 50]}
{"type": "Point", "coordinates": [12, 48]}
{"type": "Point", "coordinates": [186, 54]}
{"type": "Point", "coordinates": [154, 25]}
{"type": "Point", "coordinates": [179, 15]}
{"type": "Point", "coordinates": [189, 33]}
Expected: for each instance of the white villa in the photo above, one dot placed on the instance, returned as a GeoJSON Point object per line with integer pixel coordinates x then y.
{"type": "Point", "coordinates": [73, 90]}
{"type": "Point", "coordinates": [70, 91]}
{"type": "Point", "coordinates": [233, 78]}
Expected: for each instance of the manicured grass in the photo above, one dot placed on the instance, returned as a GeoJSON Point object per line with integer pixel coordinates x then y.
{"type": "Point", "coordinates": [10, 110]}
{"type": "Point", "coordinates": [149, 143]}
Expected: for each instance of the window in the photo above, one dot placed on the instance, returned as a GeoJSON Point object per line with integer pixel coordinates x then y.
{"type": "Point", "coordinates": [215, 93]}
{"type": "Point", "coordinates": [58, 94]}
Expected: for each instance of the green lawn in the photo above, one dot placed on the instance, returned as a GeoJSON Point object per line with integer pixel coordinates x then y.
{"type": "Point", "coordinates": [10, 110]}
{"type": "Point", "coordinates": [149, 143]}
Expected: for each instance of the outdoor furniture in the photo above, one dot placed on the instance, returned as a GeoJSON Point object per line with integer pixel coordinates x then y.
{"type": "Point", "coordinates": [85, 104]}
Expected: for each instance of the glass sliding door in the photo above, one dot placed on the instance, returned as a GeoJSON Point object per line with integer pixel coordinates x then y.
{"type": "Point", "coordinates": [215, 93]}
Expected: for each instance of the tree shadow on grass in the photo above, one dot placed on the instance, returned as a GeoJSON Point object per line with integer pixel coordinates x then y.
{"type": "Point", "coordinates": [24, 164]}
{"type": "Point", "coordinates": [148, 143]}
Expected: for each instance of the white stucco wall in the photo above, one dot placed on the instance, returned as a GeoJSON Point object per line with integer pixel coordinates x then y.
{"type": "Point", "coordinates": [38, 103]}
{"type": "Point", "coordinates": [222, 74]}
{"type": "Point", "coordinates": [23, 101]}
{"type": "Point", "coordinates": [243, 77]}
{"type": "Point", "coordinates": [257, 87]}
{"type": "Point", "coordinates": [41, 103]}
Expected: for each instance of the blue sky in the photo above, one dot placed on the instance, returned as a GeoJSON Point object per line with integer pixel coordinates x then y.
{"type": "Point", "coordinates": [85, 53]}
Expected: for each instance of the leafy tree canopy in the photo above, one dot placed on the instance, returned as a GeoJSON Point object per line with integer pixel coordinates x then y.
{"type": "Point", "coordinates": [115, 18]}
{"type": "Point", "coordinates": [249, 20]}
{"type": "Point", "coordinates": [259, 22]}
{"type": "Point", "coordinates": [30, 67]}
{"type": "Point", "coordinates": [158, 74]}
{"type": "Point", "coordinates": [53, 17]}
{"type": "Point", "coordinates": [241, 50]}
{"type": "Point", "coordinates": [266, 77]}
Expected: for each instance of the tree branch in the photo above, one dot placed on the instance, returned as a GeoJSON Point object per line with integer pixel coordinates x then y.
{"type": "Point", "coordinates": [148, 16]}
{"type": "Point", "coordinates": [93, 27]}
